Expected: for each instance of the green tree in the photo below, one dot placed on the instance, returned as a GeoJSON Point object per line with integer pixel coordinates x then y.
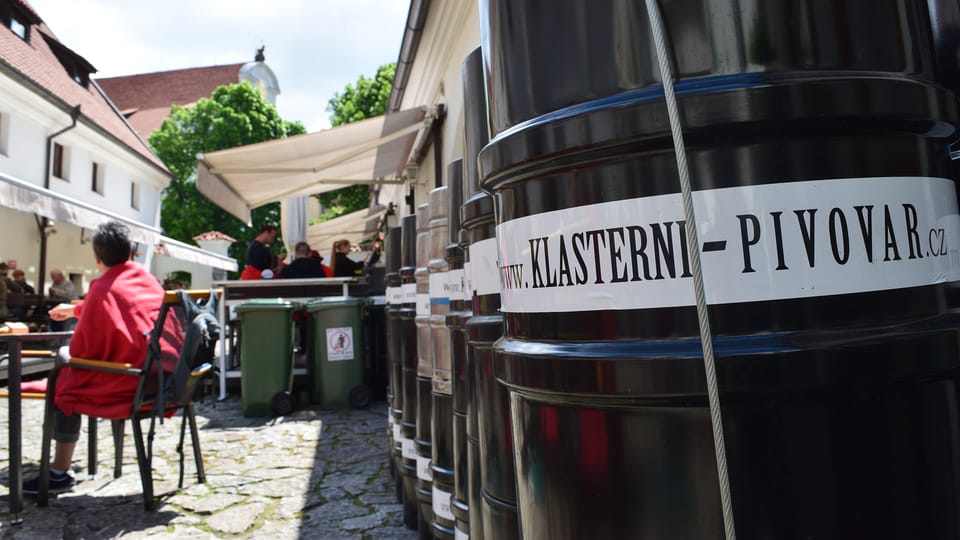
{"type": "Point", "coordinates": [367, 99]}
{"type": "Point", "coordinates": [235, 115]}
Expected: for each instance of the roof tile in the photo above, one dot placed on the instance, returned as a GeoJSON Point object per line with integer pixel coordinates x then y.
{"type": "Point", "coordinates": [213, 235]}
{"type": "Point", "coordinates": [154, 93]}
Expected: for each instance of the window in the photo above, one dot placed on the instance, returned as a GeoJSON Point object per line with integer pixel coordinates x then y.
{"type": "Point", "coordinates": [59, 161]}
{"type": "Point", "coordinates": [135, 195]}
{"type": "Point", "coordinates": [18, 27]}
{"type": "Point", "coordinates": [96, 178]}
{"type": "Point", "coordinates": [4, 132]}
{"type": "Point", "coordinates": [76, 67]}
{"type": "Point", "coordinates": [17, 20]}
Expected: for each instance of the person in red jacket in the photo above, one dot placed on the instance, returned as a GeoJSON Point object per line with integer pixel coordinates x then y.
{"type": "Point", "coordinates": [120, 307]}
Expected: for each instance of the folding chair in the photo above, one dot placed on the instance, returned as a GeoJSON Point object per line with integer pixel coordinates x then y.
{"type": "Point", "coordinates": [158, 393]}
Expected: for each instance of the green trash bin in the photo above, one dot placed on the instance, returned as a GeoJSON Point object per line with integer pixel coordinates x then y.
{"type": "Point", "coordinates": [335, 352]}
{"type": "Point", "coordinates": [266, 356]}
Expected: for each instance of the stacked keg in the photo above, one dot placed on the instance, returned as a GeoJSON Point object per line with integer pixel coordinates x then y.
{"type": "Point", "coordinates": [816, 141]}
{"type": "Point", "coordinates": [441, 464]}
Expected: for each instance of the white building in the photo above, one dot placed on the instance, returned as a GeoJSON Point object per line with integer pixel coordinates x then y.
{"type": "Point", "coordinates": [68, 158]}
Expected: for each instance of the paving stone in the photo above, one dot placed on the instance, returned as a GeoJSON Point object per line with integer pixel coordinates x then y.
{"type": "Point", "coordinates": [211, 503]}
{"type": "Point", "coordinates": [276, 488]}
{"type": "Point", "coordinates": [278, 530]}
{"type": "Point", "coordinates": [274, 473]}
{"type": "Point", "coordinates": [313, 475]}
{"type": "Point", "coordinates": [290, 507]}
{"type": "Point", "coordinates": [377, 497]}
{"type": "Point", "coordinates": [236, 519]}
{"type": "Point", "coordinates": [364, 523]}
{"type": "Point", "coordinates": [337, 510]}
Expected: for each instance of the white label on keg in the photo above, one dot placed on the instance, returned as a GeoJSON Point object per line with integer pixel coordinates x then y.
{"type": "Point", "coordinates": [423, 469]}
{"type": "Point", "coordinates": [468, 280]}
{"type": "Point", "coordinates": [456, 284]}
{"type": "Point", "coordinates": [394, 296]}
{"type": "Point", "coordinates": [339, 344]}
{"type": "Point", "coordinates": [460, 535]}
{"type": "Point", "coordinates": [483, 261]}
{"type": "Point", "coordinates": [396, 433]}
{"type": "Point", "coordinates": [757, 243]}
{"type": "Point", "coordinates": [409, 291]}
{"type": "Point", "coordinates": [439, 293]}
{"type": "Point", "coordinates": [423, 305]}
{"type": "Point", "coordinates": [441, 504]}
{"type": "Point", "coordinates": [407, 449]}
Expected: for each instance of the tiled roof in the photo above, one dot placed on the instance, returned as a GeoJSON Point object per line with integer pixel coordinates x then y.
{"type": "Point", "coordinates": [213, 235]}
{"type": "Point", "coordinates": [36, 62]}
{"type": "Point", "coordinates": [152, 94]}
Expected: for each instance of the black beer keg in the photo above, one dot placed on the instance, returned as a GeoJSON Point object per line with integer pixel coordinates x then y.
{"type": "Point", "coordinates": [456, 325]}
{"type": "Point", "coordinates": [441, 463]}
{"type": "Point", "coordinates": [424, 441]}
{"type": "Point", "coordinates": [498, 492]}
{"type": "Point", "coordinates": [408, 380]}
{"type": "Point", "coordinates": [468, 505]}
{"type": "Point", "coordinates": [394, 403]}
{"type": "Point", "coordinates": [817, 136]}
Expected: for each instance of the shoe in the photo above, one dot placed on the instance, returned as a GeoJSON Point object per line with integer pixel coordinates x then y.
{"type": "Point", "coordinates": [59, 483]}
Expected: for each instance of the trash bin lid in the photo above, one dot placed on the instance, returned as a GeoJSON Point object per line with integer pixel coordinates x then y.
{"type": "Point", "coordinates": [267, 304]}
{"type": "Point", "coordinates": [328, 302]}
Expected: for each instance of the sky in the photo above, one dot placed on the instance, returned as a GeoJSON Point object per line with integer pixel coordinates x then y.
{"type": "Point", "coordinates": [315, 47]}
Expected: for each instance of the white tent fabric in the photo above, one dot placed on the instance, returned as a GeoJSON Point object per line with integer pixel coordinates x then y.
{"type": "Point", "coordinates": [26, 197]}
{"type": "Point", "coordinates": [355, 227]}
{"type": "Point", "coordinates": [374, 150]}
{"type": "Point", "coordinates": [293, 221]}
{"type": "Point", "coordinates": [186, 252]}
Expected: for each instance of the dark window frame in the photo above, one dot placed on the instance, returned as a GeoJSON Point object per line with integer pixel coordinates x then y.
{"type": "Point", "coordinates": [134, 196]}
{"type": "Point", "coordinates": [97, 180]}
{"type": "Point", "coordinates": [57, 162]}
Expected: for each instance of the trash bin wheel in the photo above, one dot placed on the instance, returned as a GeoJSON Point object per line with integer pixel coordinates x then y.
{"type": "Point", "coordinates": [282, 403]}
{"type": "Point", "coordinates": [359, 396]}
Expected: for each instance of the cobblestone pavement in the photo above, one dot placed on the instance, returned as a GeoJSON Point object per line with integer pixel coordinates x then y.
{"type": "Point", "coordinates": [315, 474]}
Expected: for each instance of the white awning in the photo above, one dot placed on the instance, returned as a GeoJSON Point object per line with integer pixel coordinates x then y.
{"type": "Point", "coordinates": [186, 252]}
{"type": "Point", "coordinates": [26, 197]}
{"type": "Point", "coordinates": [355, 227]}
{"type": "Point", "coordinates": [372, 151]}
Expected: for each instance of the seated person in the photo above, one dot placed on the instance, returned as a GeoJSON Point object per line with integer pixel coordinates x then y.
{"type": "Point", "coordinates": [21, 279]}
{"type": "Point", "coordinates": [121, 305]}
{"type": "Point", "coordinates": [344, 266]}
{"type": "Point", "coordinates": [303, 265]}
{"type": "Point", "coordinates": [15, 293]}
{"type": "Point", "coordinates": [62, 290]}
{"type": "Point", "coordinates": [314, 254]}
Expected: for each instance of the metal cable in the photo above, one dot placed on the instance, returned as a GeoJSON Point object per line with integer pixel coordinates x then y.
{"type": "Point", "coordinates": [693, 246]}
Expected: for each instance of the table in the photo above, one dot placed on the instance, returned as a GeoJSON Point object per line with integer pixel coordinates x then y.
{"type": "Point", "coordinates": [14, 344]}
{"type": "Point", "coordinates": [238, 291]}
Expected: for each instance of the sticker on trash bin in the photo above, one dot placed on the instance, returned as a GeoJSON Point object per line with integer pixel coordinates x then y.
{"type": "Point", "coordinates": [339, 344]}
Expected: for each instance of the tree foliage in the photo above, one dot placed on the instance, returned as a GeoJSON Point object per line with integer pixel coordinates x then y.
{"type": "Point", "coordinates": [235, 115]}
{"type": "Point", "coordinates": [367, 99]}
